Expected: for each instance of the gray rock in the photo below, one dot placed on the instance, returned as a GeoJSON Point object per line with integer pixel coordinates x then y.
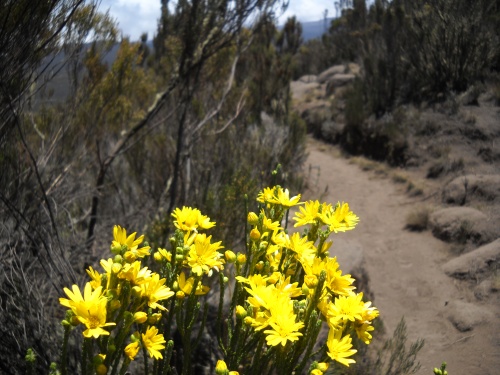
{"type": "Point", "coordinates": [331, 131]}
{"type": "Point", "coordinates": [483, 290]}
{"type": "Point", "coordinates": [330, 72]}
{"type": "Point", "coordinates": [476, 263]}
{"type": "Point", "coordinates": [309, 78]}
{"type": "Point", "coordinates": [354, 68]}
{"type": "Point", "coordinates": [465, 316]}
{"type": "Point", "coordinates": [457, 224]}
{"type": "Point", "coordinates": [338, 80]}
{"type": "Point", "coordinates": [472, 187]}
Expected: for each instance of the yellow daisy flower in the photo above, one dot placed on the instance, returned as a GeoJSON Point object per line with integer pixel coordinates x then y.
{"type": "Point", "coordinates": [341, 219]}
{"type": "Point", "coordinates": [186, 285]}
{"type": "Point", "coordinates": [134, 273]}
{"type": "Point", "coordinates": [155, 290]}
{"type": "Point", "coordinates": [203, 256]}
{"type": "Point", "coordinates": [131, 350]}
{"type": "Point", "coordinates": [339, 348]}
{"type": "Point", "coordinates": [153, 342]}
{"type": "Point", "coordinates": [89, 309]}
{"type": "Point", "coordinates": [285, 200]}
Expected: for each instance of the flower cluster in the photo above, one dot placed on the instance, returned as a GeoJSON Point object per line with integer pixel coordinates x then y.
{"type": "Point", "coordinates": [124, 294]}
{"type": "Point", "coordinates": [292, 278]}
{"type": "Point", "coordinates": [282, 290]}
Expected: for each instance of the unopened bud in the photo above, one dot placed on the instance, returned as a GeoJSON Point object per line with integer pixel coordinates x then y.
{"type": "Point", "coordinates": [101, 369]}
{"type": "Point", "coordinates": [221, 368]}
{"type": "Point", "coordinates": [259, 266]}
{"type": "Point", "coordinates": [157, 257]}
{"type": "Point", "coordinates": [140, 317]}
{"type": "Point", "coordinates": [254, 234]}
{"type": "Point", "coordinates": [241, 258]}
{"type": "Point", "coordinates": [180, 294]}
{"type": "Point", "coordinates": [230, 256]}
{"type": "Point", "coordinates": [241, 312]}
{"type": "Point", "coordinates": [252, 218]}
{"type": "Point", "coordinates": [116, 267]}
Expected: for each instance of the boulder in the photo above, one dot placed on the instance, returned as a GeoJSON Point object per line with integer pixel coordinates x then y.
{"type": "Point", "coordinates": [484, 290]}
{"type": "Point", "coordinates": [472, 187]}
{"type": "Point", "coordinates": [476, 263]}
{"type": "Point", "coordinates": [354, 69]}
{"type": "Point", "coordinates": [338, 80]}
{"type": "Point", "coordinates": [459, 224]}
{"type": "Point", "coordinates": [309, 78]}
{"type": "Point", "coordinates": [465, 316]}
{"type": "Point", "coordinates": [330, 72]}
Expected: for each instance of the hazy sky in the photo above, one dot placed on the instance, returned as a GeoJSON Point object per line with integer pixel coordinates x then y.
{"type": "Point", "coordinates": [137, 16]}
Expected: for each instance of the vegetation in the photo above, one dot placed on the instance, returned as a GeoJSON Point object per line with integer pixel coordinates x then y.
{"type": "Point", "coordinates": [87, 141]}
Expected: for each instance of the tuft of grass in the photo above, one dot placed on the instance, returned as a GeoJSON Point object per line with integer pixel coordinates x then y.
{"type": "Point", "coordinates": [400, 178]}
{"type": "Point", "coordinates": [414, 190]}
{"type": "Point", "coordinates": [418, 220]}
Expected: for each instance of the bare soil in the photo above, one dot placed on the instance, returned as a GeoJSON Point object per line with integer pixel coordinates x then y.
{"type": "Point", "coordinates": [404, 267]}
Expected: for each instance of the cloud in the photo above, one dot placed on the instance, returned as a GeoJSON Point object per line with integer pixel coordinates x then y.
{"type": "Point", "coordinates": [306, 10]}
{"type": "Point", "coordinates": [137, 16]}
{"type": "Point", "coordinates": [134, 17]}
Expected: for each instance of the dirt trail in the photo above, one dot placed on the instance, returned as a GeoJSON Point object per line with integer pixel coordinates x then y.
{"type": "Point", "coordinates": [404, 267]}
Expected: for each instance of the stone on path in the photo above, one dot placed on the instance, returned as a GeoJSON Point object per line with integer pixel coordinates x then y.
{"type": "Point", "coordinates": [465, 316]}
{"type": "Point", "coordinates": [479, 262]}
{"type": "Point", "coordinates": [457, 224]}
{"type": "Point", "coordinates": [472, 188]}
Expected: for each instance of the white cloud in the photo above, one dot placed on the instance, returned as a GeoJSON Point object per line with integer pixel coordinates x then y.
{"type": "Point", "coordinates": [134, 17]}
{"type": "Point", "coordinates": [309, 10]}
{"type": "Point", "coordinates": [137, 16]}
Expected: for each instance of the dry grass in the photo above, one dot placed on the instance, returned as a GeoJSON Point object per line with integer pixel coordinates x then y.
{"type": "Point", "coordinates": [418, 220]}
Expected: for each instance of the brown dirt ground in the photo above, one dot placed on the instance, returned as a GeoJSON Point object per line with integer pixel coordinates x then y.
{"type": "Point", "coordinates": [404, 267]}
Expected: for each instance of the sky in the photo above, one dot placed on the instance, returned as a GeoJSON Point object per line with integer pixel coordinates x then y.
{"type": "Point", "coordinates": [137, 16]}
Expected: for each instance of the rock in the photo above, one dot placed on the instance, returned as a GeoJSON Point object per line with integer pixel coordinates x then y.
{"type": "Point", "coordinates": [330, 72]}
{"type": "Point", "coordinates": [331, 131]}
{"type": "Point", "coordinates": [483, 290]}
{"type": "Point", "coordinates": [301, 89]}
{"type": "Point", "coordinates": [354, 69]}
{"type": "Point", "coordinates": [458, 224]}
{"type": "Point", "coordinates": [309, 78]}
{"type": "Point", "coordinates": [465, 316]}
{"type": "Point", "coordinates": [479, 262]}
{"type": "Point", "coordinates": [472, 187]}
{"type": "Point", "coordinates": [338, 80]}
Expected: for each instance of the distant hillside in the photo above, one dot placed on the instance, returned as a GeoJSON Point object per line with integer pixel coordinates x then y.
{"type": "Point", "coordinates": [315, 29]}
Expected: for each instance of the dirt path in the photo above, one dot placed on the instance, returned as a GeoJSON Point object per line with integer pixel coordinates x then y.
{"type": "Point", "coordinates": [404, 267]}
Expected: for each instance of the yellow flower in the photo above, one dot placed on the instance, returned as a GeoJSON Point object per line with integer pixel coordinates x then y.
{"type": "Point", "coordinates": [95, 276]}
{"type": "Point", "coordinates": [190, 219]}
{"type": "Point", "coordinates": [284, 328]}
{"type": "Point", "coordinates": [121, 239]}
{"type": "Point", "coordinates": [186, 286]}
{"type": "Point", "coordinates": [89, 309]}
{"type": "Point", "coordinates": [134, 273]}
{"type": "Point", "coordinates": [269, 225]}
{"type": "Point", "coordinates": [165, 254]}
{"type": "Point", "coordinates": [266, 196]}
{"type": "Point", "coordinates": [341, 219]}
{"type": "Point", "coordinates": [285, 200]}
{"type": "Point", "coordinates": [203, 256]}
{"type": "Point", "coordinates": [153, 342]}
{"type": "Point", "coordinates": [308, 214]}
{"type": "Point", "coordinates": [155, 291]}
{"type": "Point", "coordinates": [131, 350]}
{"type": "Point", "coordinates": [345, 308]}
{"type": "Point", "coordinates": [339, 348]}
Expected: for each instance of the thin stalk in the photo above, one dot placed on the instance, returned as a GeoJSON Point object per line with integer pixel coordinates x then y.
{"type": "Point", "coordinates": [64, 350]}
